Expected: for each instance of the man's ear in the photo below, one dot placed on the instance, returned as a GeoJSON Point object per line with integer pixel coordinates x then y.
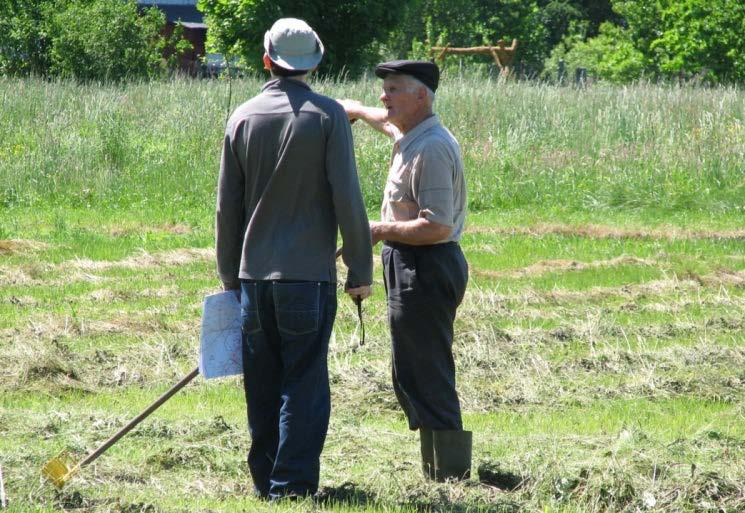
{"type": "Point", "coordinates": [421, 93]}
{"type": "Point", "coordinates": [267, 62]}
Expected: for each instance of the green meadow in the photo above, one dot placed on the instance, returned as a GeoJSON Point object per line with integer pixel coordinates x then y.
{"type": "Point", "coordinates": [600, 348]}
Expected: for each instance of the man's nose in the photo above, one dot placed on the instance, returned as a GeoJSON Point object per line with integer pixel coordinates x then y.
{"type": "Point", "coordinates": [383, 97]}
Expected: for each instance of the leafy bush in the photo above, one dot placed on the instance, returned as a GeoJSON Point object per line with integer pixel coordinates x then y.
{"type": "Point", "coordinates": [105, 40]}
{"type": "Point", "coordinates": [23, 45]}
{"type": "Point", "coordinates": [671, 39]}
{"type": "Point", "coordinates": [702, 37]}
{"type": "Point", "coordinates": [610, 55]}
{"type": "Point", "coordinates": [83, 39]}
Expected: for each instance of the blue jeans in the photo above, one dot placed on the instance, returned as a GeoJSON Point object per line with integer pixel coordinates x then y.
{"type": "Point", "coordinates": [286, 330]}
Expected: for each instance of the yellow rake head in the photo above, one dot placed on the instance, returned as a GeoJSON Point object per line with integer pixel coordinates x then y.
{"type": "Point", "coordinates": [60, 469]}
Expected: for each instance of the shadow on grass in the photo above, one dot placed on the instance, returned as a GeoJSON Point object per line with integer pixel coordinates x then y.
{"type": "Point", "coordinates": [425, 499]}
{"type": "Point", "coordinates": [347, 493]}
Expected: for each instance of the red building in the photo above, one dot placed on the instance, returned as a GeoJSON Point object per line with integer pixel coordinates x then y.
{"type": "Point", "coordinates": [185, 14]}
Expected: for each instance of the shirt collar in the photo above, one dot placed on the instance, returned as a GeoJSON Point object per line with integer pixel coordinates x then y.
{"type": "Point", "coordinates": [284, 83]}
{"type": "Point", "coordinates": [418, 130]}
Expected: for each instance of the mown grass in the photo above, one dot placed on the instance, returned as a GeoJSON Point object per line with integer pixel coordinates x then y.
{"type": "Point", "coordinates": [600, 346]}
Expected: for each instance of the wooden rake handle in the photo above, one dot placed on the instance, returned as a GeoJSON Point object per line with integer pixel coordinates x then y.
{"type": "Point", "coordinates": [142, 416]}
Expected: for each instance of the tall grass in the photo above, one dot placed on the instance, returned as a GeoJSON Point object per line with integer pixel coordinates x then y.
{"type": "Point", "coordinates": [524, 144]}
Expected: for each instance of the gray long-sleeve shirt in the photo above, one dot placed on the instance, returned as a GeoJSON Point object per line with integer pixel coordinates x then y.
{"type": "Point", "coordinates": [288, 179]}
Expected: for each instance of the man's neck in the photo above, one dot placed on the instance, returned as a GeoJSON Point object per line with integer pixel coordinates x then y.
{"type": "Point", "coordinates": [409, 124]}
{"type": "Point", "coordinates": [299, 78]}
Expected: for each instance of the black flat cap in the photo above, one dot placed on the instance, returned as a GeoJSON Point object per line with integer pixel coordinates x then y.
{"type": "Point", "coordinates": [426, 72]}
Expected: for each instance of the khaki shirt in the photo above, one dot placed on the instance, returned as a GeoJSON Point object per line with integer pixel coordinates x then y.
{"type": "Point", "coordinates": [425, 178]}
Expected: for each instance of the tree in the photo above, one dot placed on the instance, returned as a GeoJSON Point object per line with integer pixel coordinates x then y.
{"type": "Point", "coordinates": [663, 38]}
{"type": "Point", "coordinates": [105, 40]}
{"type": "Point", "coordinates": [471, 23]}
{"type": "Point", "coordinates": [349, 29]}
{"type": "Point", "coordinates": [23, 44]}
{"type": "Point", "coordinates": [559, 16]}
{"type": "Point", "coordinates": [611, 55]}
{"type": "Point", "coordinates": [83, 39]}
{"type": "Point", "coordinates": [705, 37]}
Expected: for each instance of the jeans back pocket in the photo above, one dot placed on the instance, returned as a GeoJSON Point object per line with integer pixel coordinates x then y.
{"type": "Point", "coordinates": [296, 306]}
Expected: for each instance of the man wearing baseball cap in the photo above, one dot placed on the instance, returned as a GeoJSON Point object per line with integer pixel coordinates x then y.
{"type": "Point", "coordinates": [425, 271]}
{"type": "Point", "coordinates": [288, 182]}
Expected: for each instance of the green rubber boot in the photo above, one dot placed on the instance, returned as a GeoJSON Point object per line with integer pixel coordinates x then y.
{"type": "Point", "coordinates": [452, 454]}
{"type": "Point", "coordinates": [428, 452]}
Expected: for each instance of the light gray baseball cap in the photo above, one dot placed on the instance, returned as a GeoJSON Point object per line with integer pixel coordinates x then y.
{"type": "Point", "coordinates": [292, 44]}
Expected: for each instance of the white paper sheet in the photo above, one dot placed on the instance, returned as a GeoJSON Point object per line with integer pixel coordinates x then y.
{"type": "Point", "coordinates": [220, 352]}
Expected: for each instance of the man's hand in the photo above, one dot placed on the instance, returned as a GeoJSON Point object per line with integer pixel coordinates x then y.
{"type": "Point", "coordinates": [376, 117]}
{"type": "Point", "coordinates": [351, 107]}
{"type": "Point", "coordinates": [232, 288]}
{"type": "Point", "coordinates": [362, 292]}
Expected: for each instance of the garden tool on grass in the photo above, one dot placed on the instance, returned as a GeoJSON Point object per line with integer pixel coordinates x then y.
{"type": "Point", "coordinates": [3, 502]}
{"type": "Point", "coordinates": [60, 469]}
{"type": "Point", "coordinates": [219, 356]}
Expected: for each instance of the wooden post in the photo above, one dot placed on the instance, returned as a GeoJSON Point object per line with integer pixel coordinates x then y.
{"type": "Point", "coordinates": [442, 53]}
{"type": "Point", "coordinates": [502, 55]}
{"type": "Point", "coordinates": [580, 77]}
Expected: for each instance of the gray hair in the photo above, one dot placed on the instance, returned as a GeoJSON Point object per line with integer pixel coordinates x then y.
{"type": "Point", "coordinates": [415, 82]}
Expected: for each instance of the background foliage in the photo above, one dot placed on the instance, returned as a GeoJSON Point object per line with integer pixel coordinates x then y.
{"type": "Point", "coordinates": [428, 23]}
{"type": "Point", "coordinates": [349, 29]}
{"type": "Point", "coordinates": [705, 37]}
{"type": "Point", "coordinates": [615, 40]}
{"type": "Point", "coordinates": [104, 40]}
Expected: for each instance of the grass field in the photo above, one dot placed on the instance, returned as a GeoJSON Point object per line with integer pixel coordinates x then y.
{"type": "Point", "coordinates": [600, 347]}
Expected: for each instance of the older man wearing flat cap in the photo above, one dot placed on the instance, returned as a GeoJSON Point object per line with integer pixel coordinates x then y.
{"type": "Point", "coordinates": [288, 183]}
{"type": "Point", "coordinates": [425, 272]}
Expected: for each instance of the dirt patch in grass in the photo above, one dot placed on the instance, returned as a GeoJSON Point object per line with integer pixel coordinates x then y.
{"type": "Point", "coordinates": [12, 246]}
{"type": "Point", "coordinates": [81, 270]}
{"type": "Point", "coordinates": [11, 276]}
{"type": "Point", "coordinates": [41, 365]}
{"type": "Point", "coordinates": [634, 291]}
{"type": "Point", "coordinates": [553, 266]}
{"type": "Point", "coordinates": [144, 260]}
{"type": "Point", "coordinates": [595, 231]}
{"type": "Point", "coordinates": [193, 457]}
{"type": "Point", "coordinates": [22, 301]}
{"type": "Point", "coordinates": [172, 228]}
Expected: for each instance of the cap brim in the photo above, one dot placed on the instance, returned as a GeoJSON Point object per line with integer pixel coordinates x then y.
{"type": "Point", "coordinates": [306, 62]}
{"type": "Point", "coordinates": [294, 62]}
{"type": "Point", "coordinates": [382, 72]}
